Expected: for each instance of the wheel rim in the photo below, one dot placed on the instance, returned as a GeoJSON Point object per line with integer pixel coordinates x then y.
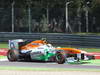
{"type": "Point", "coordinates": [10, 56]}
{"type": "Point", "coordinates": [59, 57]}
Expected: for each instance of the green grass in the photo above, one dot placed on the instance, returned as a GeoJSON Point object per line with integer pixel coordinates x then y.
{"type": "Point", "coordinates": [45, 69]}
{"type": "Point", "coordinates": [2, 57]}
{"type": "Point", "coordinates": [3, 45]}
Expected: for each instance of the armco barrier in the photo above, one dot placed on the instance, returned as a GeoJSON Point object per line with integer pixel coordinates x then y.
{"type": "Point", "coordinates": [56, 38]}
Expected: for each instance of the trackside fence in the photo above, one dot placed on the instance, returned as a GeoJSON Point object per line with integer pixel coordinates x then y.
{"type": "Point", "coordinates": [55, 38]}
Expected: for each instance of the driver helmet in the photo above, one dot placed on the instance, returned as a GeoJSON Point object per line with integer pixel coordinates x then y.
{"type": "Point", "coordinates": [44, 40]}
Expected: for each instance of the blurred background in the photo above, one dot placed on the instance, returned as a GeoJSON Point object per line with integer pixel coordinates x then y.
{"type": "Point", "coordinates": [50, 16]}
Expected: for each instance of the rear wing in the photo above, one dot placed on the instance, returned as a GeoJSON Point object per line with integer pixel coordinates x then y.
{"type": "Point", "coordinates": [14, 44]}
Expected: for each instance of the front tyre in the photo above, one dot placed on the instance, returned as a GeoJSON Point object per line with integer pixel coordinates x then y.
{"type": "Point", "coordinates": [12, 55]}
{"type": "Point", "coordinates": [60, 58]}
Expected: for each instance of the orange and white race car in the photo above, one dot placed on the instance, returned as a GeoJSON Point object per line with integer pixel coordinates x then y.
{"type": "Point", "coordinates": [41, 50]}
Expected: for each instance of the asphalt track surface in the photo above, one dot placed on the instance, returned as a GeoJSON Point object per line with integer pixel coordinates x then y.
{"type": "Point", "coordinates": [47, 65]}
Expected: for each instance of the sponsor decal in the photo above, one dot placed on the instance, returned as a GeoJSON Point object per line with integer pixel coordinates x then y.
{"type": "Point", "coordinates": [35, 44]}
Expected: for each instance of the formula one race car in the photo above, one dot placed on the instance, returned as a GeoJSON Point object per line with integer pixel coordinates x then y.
{"type": "Point", "coordinates": [41, 50]}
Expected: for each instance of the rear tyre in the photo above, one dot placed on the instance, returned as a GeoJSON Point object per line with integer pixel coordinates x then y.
{"type": "Point", "coordinates": [12, 55]}
{"type": "Point", "coordinates": [60, 58]}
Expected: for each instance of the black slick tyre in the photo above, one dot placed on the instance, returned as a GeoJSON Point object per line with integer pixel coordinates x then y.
{"type": "Point", "coordinates": [12, 55]}
{"type": "Point", "coordinates": [60, 58]}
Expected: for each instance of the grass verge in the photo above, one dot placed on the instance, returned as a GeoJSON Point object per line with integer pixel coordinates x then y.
{"type": "Point", "coordinates": [3, 45]}
{"type": "Point", "coordinates": [45, 69]}
{"type": "Point", "coordinates": [3, 57]}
